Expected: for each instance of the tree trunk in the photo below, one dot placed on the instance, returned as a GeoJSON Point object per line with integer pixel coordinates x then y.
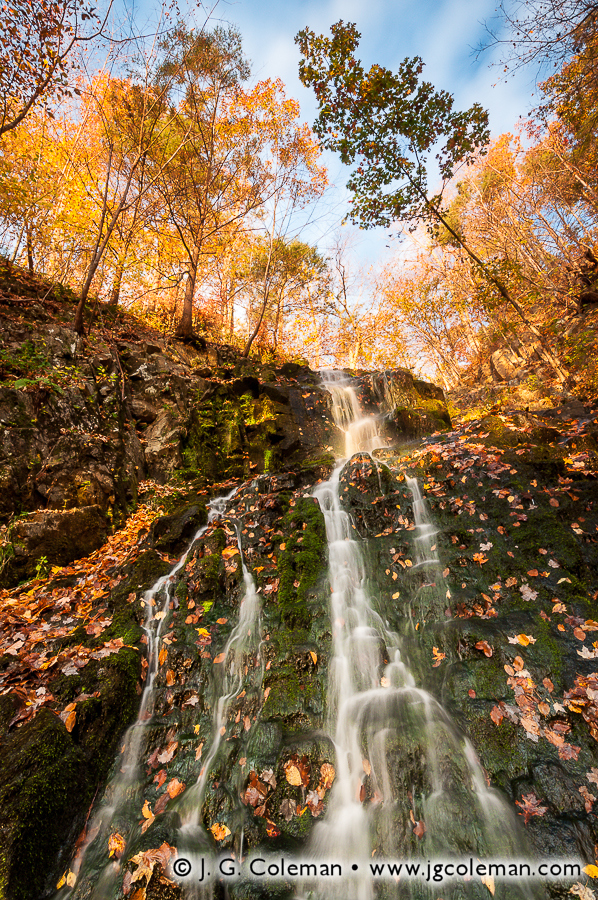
{"type": "Point", "coordinates": [29, 249]}
{"type": "Point", "coordinates": [184, 329]}
{"type": "Point", "coordinates": [118, 277]}
{"type": "Point", "coordinates": [255, 332]}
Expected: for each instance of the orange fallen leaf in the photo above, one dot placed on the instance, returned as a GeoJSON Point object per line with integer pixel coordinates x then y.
{"type": "Point", "coordinates": [220, 831]}
{"type": "Point", "coordinates": [219, 658]}
{"type": "Point", "coordinates": [146, 811]}
{"type": "Point", "coordinates": [174, 788]}
{"type": "Point", "coordinates": [485, 647]}
{"type": "Point", "coordinates": [437, 656]}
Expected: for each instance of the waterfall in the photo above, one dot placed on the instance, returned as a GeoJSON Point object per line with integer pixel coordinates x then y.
{"type": "Point", "coordinates": [124, 788]}
{"type": "Point", "coordinates": [244, 639]}
{"type": "Point", "coordinates": [408, 784]}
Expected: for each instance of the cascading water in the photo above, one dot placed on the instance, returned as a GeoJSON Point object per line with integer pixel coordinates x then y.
{"type": "Point", "coordinates": [124, 789]}
{"type": "Point", "coordinates": [408, 785]}
{"type": "Point", "coordinates": [243, 643]}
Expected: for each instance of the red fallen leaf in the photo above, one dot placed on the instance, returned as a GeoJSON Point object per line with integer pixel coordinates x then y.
{"type": "Point", "coordinates": [589, 798]}
{"type": "Point", "coordinates": [485, 647]}
{"type": "Point", "coordinates": [161, 803]}
{"type": "Point", "coordinates": [471, 693]}
{"type": "Point", "coordinates": [160, 778]}
{"type": "Point", "coordinates": [496, 715]}
{"type": "Point", "coordinates": [531, 807]}
{"type": "Point", "coordinates": [533, 573]}
{"type": "Point", "coordinates": [271, 829]}
{"type": "Point", "coordinates": [553, 502]}
{"type": "Point", "coordinates": [548, 685]}
{"type": "Point", "coordinates": [557, 740]}
{"type": "Point", "coordinates": [569, 751]}
{"type": "Point", "coordinates": [420, 829]}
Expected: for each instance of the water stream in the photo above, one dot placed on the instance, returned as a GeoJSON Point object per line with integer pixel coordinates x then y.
{"type": "Point", "coordinates": [243, 645]}
{"type": "Point", "coordinates": [124, 791]}
{"type": "Point", "coordinates": [408, 784]}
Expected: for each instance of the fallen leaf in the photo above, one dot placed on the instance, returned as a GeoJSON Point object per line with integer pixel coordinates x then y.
{"type": "Point", "coordinates": [420, 829]}
{"type": "Point", "coordinates": [496, 715]}
{"type": "Point", "coordinates": [488, 880]}
{"type": "Point", "coordinates": [174, 788]}
{"type": "Point", "coordinates": [531, 807]}
{"type": "Point", "coordinates": [485, 647]}
{"type": "Point", "coordinates": [146, 811]}
{"type": "Point", "coordinates": [437, 656]}
{"type": "Point", "coordinates": [288, 809]}
{"type": "Point", "coordinates": [220, 658]}
{"type": "Point", "coordinates": [220, 831]}
{"type": "Point", "coordinates": [292, 774]}
{"type": "Point", "coordinates": [116, 845]}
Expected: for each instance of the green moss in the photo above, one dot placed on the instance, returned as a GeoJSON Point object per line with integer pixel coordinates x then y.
{"type": "Point", "coordinates": [302, 562]}
{"type": "Point", "coordinates": [44, 788]}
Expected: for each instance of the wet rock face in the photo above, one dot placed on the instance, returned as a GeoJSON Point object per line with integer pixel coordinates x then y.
{"type": "Point", "coordinates": [518, 519]}
{"type": "Point", "coordinates": [411, 407]}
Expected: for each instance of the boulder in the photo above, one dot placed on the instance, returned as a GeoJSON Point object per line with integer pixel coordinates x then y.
{"type": "Point", "coordinates": [55, 536]}
{"type": "Point", "coordinates": [504, 365]}
{"type": "Point", "coordinates": [163, 449]}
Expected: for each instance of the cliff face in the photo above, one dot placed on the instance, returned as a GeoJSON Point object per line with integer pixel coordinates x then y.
{"type": "Point", "coordinates": [84, 424]}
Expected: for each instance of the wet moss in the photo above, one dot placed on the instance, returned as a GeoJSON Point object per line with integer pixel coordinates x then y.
{"type": "Point", "coordinates": [302, 562]}
{"type": "Point", "coordinates": [44, 790]}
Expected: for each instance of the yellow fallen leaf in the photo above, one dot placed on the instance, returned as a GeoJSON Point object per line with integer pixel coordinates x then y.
{"type": "Point", "coordinates": [592, 871]}
{"type": "Point", "coordinates": [229, 551]}
{"type": "Point", "coordinates": [116, 845]}
{"type": "Point", "coordinates": [396, 596]}
{"type": "Point", "coordinates": [203, 632]}
{"type": "Point", "coordinates": [488, 880]}
{"type": "Point", "coordinates": [314, 656]}
{"type": "Point", "coordinates": [219, 831]}
{"type": "Point", "coordinates": [293, 775]}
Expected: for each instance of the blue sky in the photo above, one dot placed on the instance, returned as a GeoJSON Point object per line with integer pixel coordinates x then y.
{"type": "Point", "coordinates": [445, 33]}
